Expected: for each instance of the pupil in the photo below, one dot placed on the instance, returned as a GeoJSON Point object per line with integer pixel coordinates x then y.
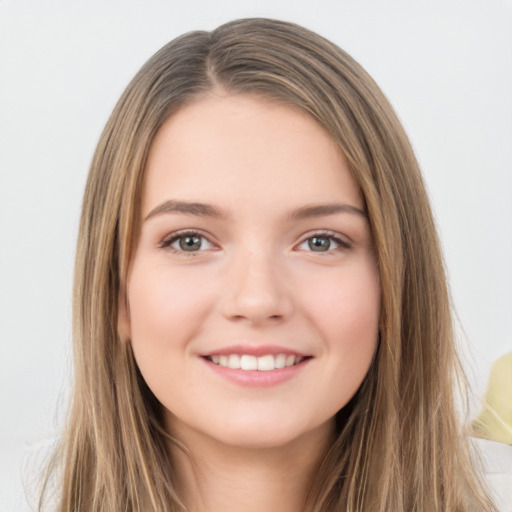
{"type": "Point", "coordinates": [319, 243]}
{"type": "Point", "coordinates": [190, 243]}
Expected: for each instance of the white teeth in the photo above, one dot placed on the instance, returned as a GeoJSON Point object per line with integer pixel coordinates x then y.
{"type": "Point", "coordinates": [234, 361]}
{"type": "Point", "coordinates": [248, 362]}
{"type": "Point", "coordinates": [266, 363]}
{"type": "Point", "coordinates": [280, 361]}
{"type": "Point", "coordinates": [290, 360]}
{"type": "Point", "coordinates": [263, 364]}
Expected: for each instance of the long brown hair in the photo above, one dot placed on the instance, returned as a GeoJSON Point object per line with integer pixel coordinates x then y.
{"type": "Point", "coordinates": [400, 446]}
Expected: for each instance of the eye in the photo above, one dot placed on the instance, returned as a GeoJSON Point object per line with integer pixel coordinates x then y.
{"type": "Point", "coordinates": [323, 242]}
{"type": "Point", "coordinates": [189, 241]}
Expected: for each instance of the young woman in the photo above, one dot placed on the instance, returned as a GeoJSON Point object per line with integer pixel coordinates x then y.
{"type": "Point", "coordinates": [261, 312]}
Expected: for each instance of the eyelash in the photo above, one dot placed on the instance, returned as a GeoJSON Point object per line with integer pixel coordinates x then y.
{"type": "Point", "coordinates": [167, 242]}
{"type": "Point", "coordinates": [332, 236]}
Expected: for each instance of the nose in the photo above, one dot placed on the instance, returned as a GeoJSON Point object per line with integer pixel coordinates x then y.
{"type": "Point", "coordinates": [256, 291]}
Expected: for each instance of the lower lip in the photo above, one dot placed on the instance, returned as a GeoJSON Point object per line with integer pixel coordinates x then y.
{"type": "Point", "coordinates": [256, 378]}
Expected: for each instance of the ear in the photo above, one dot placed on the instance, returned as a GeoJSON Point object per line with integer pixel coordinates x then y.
{"type": "Point", "coordinates": [123, 316]}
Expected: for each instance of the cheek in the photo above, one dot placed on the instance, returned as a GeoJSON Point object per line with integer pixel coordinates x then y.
{"type": "Point", "coordinates": [165, 308]}
{"type": "Point", "coordinates": [350, 314]}
{"type": "Point", "coordinates": [345, 308]}
{"type": "Point", "coordinates": [347, 302]}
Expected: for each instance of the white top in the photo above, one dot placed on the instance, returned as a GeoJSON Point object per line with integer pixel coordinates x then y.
{"type": "Point", "coordinates": [497, 462]}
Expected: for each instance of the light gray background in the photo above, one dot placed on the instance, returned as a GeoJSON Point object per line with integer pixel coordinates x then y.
{"type": "Point", "coordinates": [445, 65]}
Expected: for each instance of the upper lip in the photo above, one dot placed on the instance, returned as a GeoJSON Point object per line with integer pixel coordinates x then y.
{"type": "Point", "coordinates": [254, 350]}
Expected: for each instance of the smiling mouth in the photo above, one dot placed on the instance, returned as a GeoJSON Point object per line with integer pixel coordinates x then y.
{"type": "Point", "coordinates": [249, 362]}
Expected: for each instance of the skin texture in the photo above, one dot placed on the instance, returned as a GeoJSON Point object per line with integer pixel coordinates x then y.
{"type": "Point", "coordinates": [253, 279]}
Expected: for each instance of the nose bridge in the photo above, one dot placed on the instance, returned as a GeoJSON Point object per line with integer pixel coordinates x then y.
{"type": "Point", "coordinates": [256, 287]}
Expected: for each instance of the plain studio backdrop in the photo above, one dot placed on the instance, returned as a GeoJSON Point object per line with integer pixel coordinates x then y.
{"type": "Point", "coordinates": [446, 66]}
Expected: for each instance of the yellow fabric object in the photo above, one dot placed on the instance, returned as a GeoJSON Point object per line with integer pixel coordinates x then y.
{"type": "Point", "coordinates": [495, 420]}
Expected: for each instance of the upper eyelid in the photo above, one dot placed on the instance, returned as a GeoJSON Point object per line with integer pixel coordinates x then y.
{"type": "Point", "coordinates": [327, 233]}
{"type": "Point", "coordinates": [186, 231]}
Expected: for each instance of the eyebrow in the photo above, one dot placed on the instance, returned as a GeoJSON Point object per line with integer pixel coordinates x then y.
{"type": "Point", "coordinates": [320, 210]}
{"type": "Point", "coordinates": [187, 208]}
{"type": "Point", "coordinates": [207, 210]}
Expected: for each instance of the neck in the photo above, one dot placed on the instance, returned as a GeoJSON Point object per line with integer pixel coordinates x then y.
{"type": "Point", "coordinates": [214, 477]}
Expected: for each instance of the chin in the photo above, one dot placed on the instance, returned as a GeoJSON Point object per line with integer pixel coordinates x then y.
{"type": "Point", "coordinates": [271, 434]}
{"type": "Point", "coordinates": [252, 439]}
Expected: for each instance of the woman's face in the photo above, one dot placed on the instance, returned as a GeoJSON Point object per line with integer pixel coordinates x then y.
{"type": "Point", "coordinates": [253, 296]}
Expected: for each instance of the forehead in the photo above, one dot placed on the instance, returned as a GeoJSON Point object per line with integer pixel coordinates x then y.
{"type": "Point", "coordinates": [236, 150]}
